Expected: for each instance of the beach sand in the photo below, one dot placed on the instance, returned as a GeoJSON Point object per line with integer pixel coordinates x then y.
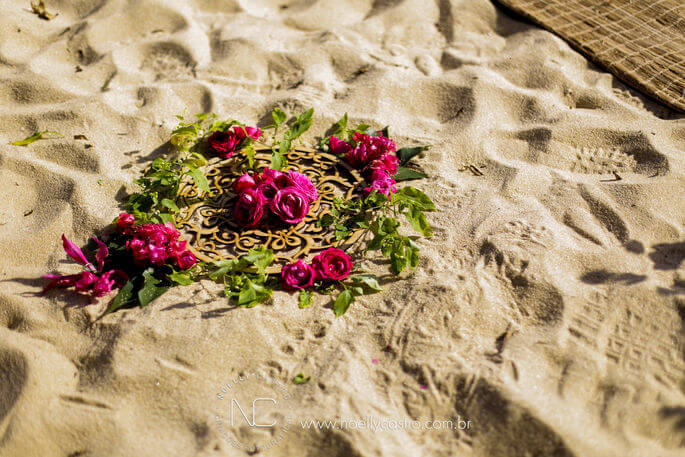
{"type": "Point", "coordinates": [547, 309]}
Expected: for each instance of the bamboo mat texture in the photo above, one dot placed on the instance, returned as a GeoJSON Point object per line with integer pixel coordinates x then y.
{"type": "Point", "coordinates": [642, 42]}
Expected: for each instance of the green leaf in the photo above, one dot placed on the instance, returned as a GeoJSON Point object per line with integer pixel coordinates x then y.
{"type": "Point", "coordinates": [170, 204]}
{"type": "Point", "coordinates": [368, 282]}
{"type": "Point", "coordinates": [181, 278]}
{"type": "Point", "coordinates": [414, 197]}
{"type": "Point", "coordinates": [339, 128]}
{"type": "Point", "coordinates": [123, 298]}
{"type": "Point", "coordinates": [385, 131]}
{"type": "Point", "coordinates": [301, 124]}
{"type": "Point", "coordinates": [166, 218]}
{"type": "Point", "coordinates": [260, 258]}
{"type": "Point", "coordinates": [252, 293]}
{"type": "Point", "coordinates": [195, 160]}
{"type": "Point", "coordinates": [343, 302]}
{"type": "Point", "coordinates": [224, 267]}
{"type": "Point", "coordinates": [151, 289]}
{"type": "Point", "coordinates": [248, 295]}
{"type": "Point", "coordinates": [407, 174]}
{"type": "Point", "coordinates": [278, 116]}
{"type": "Point", "coordinates": [325, 220]}
{"type": "Point", "coordinates": [200, 179]}
{"type": "Point", "coordinates": [418, 221]}
{"type": "Point", "coordinates": [35, 137]}
{"type": "Point", "coordinates": [250, 154]}
{"type": "Point", "coordinates": [406, 154]}
{"type": "Point", "coordinates": [301, 379]}
{"type": "Point", "coordinates": [278, 159]}
{"type": "Point", "coordinates": [304, 299]}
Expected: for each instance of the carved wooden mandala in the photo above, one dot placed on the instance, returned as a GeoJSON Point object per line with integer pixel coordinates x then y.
{"type": "Point", "coordinates": [213, 235]}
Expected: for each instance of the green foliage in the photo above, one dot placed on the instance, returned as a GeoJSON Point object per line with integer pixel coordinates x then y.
{"type": "Point", "coordinates": [376, 214]}
{"type": "Point", "coordinates": [300, 378]}
{"type": "Point", "coordinates": [407, 174]}
{"type": "Point", "coordinates": [157, 201]}
{"type": "Point", "coordinates": [304, 298]}
{"type": "Point", "coordinates": [123, 299]}
{"type": "Point", "coordinates": [151, 288]}
{"type": "Point", "coordinates": [280, 145]}
{"type": "Point", "coordinates": [37, 136]}
{"type": "Point", "coordinates": [343, 302]}
{"type": "Point", "coordinates": [245, 280]}
{"type": "Point", "coordinates": [406, 154]}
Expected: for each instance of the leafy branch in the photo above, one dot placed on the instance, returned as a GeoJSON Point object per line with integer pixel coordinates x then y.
{"type": "Point", "coordinates": [245, 279]}
{"type": "Point", "coordinates": [280, 145]}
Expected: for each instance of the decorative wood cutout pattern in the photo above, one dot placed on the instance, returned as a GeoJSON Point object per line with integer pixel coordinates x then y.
{"type": "Point", "coordinates": [212, 235]}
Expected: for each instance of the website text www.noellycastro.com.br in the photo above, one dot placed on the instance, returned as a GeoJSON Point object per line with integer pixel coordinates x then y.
{"type": "Point", "coordinates": [384, 424]}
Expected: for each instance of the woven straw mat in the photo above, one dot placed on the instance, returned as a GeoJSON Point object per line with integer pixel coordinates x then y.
{"type": "Point", "coordinates": [642, 42]}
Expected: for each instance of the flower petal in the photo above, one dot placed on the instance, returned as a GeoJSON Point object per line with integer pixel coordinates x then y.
{"type": "Point", "coordinates": [103, 252]}
{"type": "Point", "coordinates": [57, 281]}
{"type": "Point", "coordinates": [75, 252]}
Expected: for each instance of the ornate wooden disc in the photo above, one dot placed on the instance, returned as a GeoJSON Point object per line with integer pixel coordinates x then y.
{"type": "Point", "coordinates": [213, 235]}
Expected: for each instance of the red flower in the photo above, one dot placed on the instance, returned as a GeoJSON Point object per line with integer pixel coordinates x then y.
{"type": "Point", "coordinates": [249, 209]}
{"type": "Point", "coordinates": [232, 140]}
{"type": "Point", "coordinates": [297, 275]}
{"type": "Point", "coordinates": [332, 264]}
{"type": "Point", "coordinates": [290, 204]}
{"type": "Point", "coordinates": [185, 260]}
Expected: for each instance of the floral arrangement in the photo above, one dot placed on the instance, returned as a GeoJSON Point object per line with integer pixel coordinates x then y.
{"type": "Point", "coordinates": [143, 254]}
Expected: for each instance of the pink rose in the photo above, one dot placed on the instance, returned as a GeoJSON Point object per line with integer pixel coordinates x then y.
{"type": "Point", "coordinates": [368, 149]}
{"type": "Point", "coordinates": [249, 209]}
{"type": "Point", "coordinates": [185, 260]}
{"type": "Point", "coordinates": [268, 188]}
{"type": "Point", "coordinates": [253, 132]}
{"type": "Point", "coordinates": [125, 223]}
{"type": "Point", "coordinates": [386, 163]}
{"type": "Point", "coordinates": [227, 143]}
{"type": "Point", "coordinates": [297, 275]}
{"type": "Point", "coordinates": [243, 183]}
{"type": "Point", "coordinates": [290, 205]}
{"type": "Point", "coordinates": [303, 183]}
{"type": "Point", "coordinates": [338, 147]}
{"type": "Point", "coordinates": [332, 264]}
{"type": "Point", "coordinates": [270, 174]}
{"type": "Point", "coordinates": [382, 183]}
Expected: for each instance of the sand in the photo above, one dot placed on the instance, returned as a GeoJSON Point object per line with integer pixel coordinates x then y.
{"type": "Point", "coordinates": [547, 309]}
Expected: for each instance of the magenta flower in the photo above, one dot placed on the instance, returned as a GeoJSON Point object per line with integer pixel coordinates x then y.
{"type": "Point", "coordinates": [290, 205]}
{"type": "Point", "coordinates": [185, 260]}
{"type": "Point", "coordinates": [368, 149]}
{"type": "Point", "coordinates": [232, 140]}
{"type": "Point", "coordinates": [268, 189]}
{"type": "Point", "coordinates": [90, 281]}
{"type": "Point", "coordinates": [332, 264]}
{"type": "Point", "coordinates": [249, 209]}
{"type": "Point", "coordinates": [383, 184]}
{"type": "Point", "coordinates": [338, 147]}
{"type": "Point", "coordinates": [244, 182]}
{"type": "Point", "coordinates": [305, 185]}
{"type": "Point", "coordinates": [108, 281]}
{"type": "Point", "coordinates": [297, 275]}
{"type": "Point", "coordinates": [125, 222]}
{"type": "Point", "coordinates": [386, 163]}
